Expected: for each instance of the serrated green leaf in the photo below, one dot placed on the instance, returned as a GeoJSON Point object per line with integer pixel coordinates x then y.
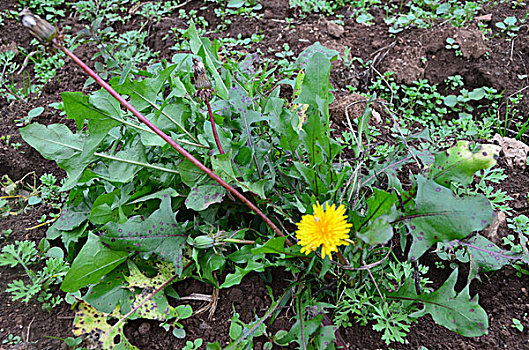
{"type": "Point", "coordinates": [123, 165]}
{"type": "Point", "coordinates": [273, 245]}
{"type": "Point", "coordinates": [455, 311]}
{"type": "Point", "coordinates": [486, 256]}
{"type": "Point", "coordinates": [110, 292]}
{"type": "Point", "coordinates": [235, 278]}
{"type": "Point", "coordinates": [102, 210]}
{"type": "Point", "coordinates": [189, 173]}
{"type": "Point", "coordinates": [375, 227]}
{"type": "Point", "coordinates": [221, 164]}
{"type": "Point", "coordinates": [71, 218]}
{"type": "Point", "coordinates": [143, 93]}
{"type": "Point", "coordinates": [304, 57]}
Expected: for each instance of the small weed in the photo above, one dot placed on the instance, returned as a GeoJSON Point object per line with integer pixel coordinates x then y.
{"type": "Point", "coordinates": [498, 198]}
{"type": "Point", "coordinates": [35, 112]}
{"type": "Point", "coordinates": [156, 10]}
{"type": "Point", "coordinates": [193, 345]}
{"type": "Point", "coordinates": [108, 10]}
{"type": "Point", "coordinates": [25, 254]}
{"type": "Point", "coordinates": [128, 186]}
{"type": "Point", "coordinates": [12, 340]}
{"type": "Point", "coordinates": [284, 56]}
{"type": "Point", "coordinates": [508, 27]}
{"type": "Point", "coordinates": [7, 65]}
{"type": "Point", "coordinates": [517, 324]}
{"type": "Point", "coordinates": [452, 45]}
{"type": "Point", "coordinates": [455, 82]}
{"type": "Point", "coordinates": [6, 140]}
{"type": "Point", "coordinates": [321, 6]}
{"type": "Point", "coordinates": [50, 9]}
{"type": "Point", "coordinates": [422, 14]}
{"type": "Point", "coordinates": [5, 233]}
{"type": "Point", "coordinates": [46, 66]}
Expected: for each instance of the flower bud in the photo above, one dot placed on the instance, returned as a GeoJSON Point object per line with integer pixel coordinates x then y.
{"type": "Point", "coordinates": [38, 27]}
{"type": "Point", "coordinates": [203, 242]}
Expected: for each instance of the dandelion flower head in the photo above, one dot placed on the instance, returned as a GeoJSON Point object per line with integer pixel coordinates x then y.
{"type": "Point", "coordinates": [327, 227]}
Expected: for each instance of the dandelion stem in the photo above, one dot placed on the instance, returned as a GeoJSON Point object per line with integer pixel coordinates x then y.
{"type": "Point", "coordinates": [214, 127]}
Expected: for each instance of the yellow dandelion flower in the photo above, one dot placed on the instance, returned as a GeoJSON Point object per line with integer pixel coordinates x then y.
{"type": "Point", "coordinates": [327, 227]}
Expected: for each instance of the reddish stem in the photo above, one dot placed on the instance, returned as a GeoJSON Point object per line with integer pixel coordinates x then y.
{"type": "Point", "coordinates": [213, 127]}
{"type": "Point", "coordinates": [170, 141]}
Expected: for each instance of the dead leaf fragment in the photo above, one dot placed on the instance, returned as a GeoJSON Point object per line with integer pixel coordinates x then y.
{"type": "Point", "coordinates": [484, 18]}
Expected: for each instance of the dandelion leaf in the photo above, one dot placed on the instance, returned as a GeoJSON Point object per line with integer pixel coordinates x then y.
{"type": "Point", "coordinates": [89, 320]}
{"type": "Point", "coordinates": [486, 256]}
{"type": "Point", "coordinates": [143, 93]}
{"type": "Point", "coordinates": [94, 325]}
{"type": "Point", "coordinates": [157, 307]}
{"type": "Point", "coordinates": [304, 57]}
{"type": "Point", "coordinates": [440, 216]}
{"type": "Point", "coordinates": [456, 311]}
{"type": "Point", "coordinates": [159, 234]}
{"type": "Point", "coordinates": [94, 261]}
{"type": "Point", "coordinates": [110, 292]}
{"type": "Point", "coordinates": [375, 227]}
{"type": "Point", "coordinates": [201, 197]}
{"type": "Point", "coordinates": [56, 142]}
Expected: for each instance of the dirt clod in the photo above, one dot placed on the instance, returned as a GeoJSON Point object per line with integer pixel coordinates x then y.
{"type": "Point", "coordinates": [335, 30]}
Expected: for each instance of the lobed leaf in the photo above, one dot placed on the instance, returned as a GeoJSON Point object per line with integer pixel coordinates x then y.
{"type": "Point", "coordinates": [375, 227]}
{"type": "Point", "coordinates": [455, 311]}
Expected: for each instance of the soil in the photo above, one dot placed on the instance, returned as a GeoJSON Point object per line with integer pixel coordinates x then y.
{"type": "Point", "coordinates": [412, 54]}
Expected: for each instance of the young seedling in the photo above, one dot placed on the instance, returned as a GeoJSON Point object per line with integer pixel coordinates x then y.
{"type": "Point", "coordinates": [509, 27]}
{"type": "Point", "coordinates": [452, 45]}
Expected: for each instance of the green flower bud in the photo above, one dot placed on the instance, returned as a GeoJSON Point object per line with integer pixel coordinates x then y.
{"type": "Point", "coordinates": [203, 242]}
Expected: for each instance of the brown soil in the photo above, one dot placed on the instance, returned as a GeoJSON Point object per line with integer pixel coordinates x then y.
{"type": "Point", "coordinates": [412, 54]}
